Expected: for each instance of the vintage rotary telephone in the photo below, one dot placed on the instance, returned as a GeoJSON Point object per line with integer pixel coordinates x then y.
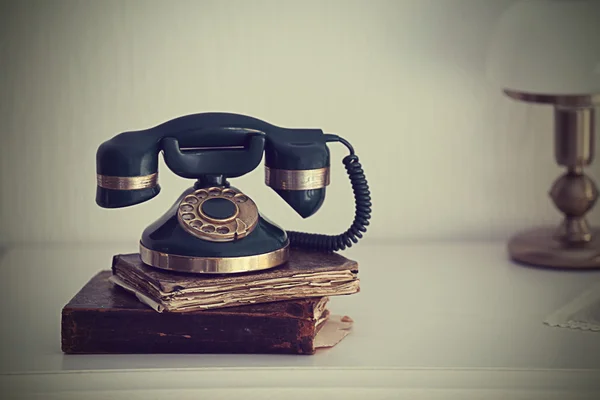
{"type": "Point", "coordinates": [214, 227]}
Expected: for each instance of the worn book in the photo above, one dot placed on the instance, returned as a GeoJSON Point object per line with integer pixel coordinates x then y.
{"type": "Point", "coordinates": [305, 275]}
{"type": "Point", "coordinates": [106, 319]}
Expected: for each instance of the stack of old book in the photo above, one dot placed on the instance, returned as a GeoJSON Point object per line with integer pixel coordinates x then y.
{"type": "Point", "coordinates": [135, 308]}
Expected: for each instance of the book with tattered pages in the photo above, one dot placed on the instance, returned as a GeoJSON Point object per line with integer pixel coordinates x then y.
{"type": "Point", "coordinates": [305, 275]}
{"type": "Point", "coordinates": [105, 319]}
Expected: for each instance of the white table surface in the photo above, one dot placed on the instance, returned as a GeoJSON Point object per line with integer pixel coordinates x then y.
{"type": "Point", "coordinates": [439, 320]}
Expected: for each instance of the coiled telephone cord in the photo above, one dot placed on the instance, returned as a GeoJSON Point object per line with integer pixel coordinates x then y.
{"type": "Point", "coordinates": [362, 200]}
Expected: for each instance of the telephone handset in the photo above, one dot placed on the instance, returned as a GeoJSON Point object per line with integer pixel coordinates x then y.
{"type": "Point", "coordinates": [214, 227]}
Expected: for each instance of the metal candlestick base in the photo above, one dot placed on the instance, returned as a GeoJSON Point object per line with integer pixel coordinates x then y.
{"type": "Point", "coordinates": [574, 244]}
{"type": "Point", "coordinates": [541, 247]}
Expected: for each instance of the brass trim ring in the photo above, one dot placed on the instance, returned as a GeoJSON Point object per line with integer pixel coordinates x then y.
{"type": "Point", "coordinates": [127, 182]}
{"type": "Point", "coordinates": [214, 265]}
{"type": "Point", "coordinates": [302, 179]}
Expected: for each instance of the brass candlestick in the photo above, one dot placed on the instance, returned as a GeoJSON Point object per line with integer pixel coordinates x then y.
{"type": "Point", "coordinates": [574, 244]}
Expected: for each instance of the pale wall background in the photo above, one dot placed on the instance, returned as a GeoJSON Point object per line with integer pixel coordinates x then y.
{"type": "Point", "coordinates": [447, 156]}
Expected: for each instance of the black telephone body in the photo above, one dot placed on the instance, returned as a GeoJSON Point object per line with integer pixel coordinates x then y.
{"type": "Point", "coordinates": [214, 227]}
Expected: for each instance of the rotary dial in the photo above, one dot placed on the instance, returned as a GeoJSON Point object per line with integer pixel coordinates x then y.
{"type": "Point", "coordinates": [218, 214]}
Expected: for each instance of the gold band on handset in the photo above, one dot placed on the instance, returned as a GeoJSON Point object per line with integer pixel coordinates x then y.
{"type": "Point", "coordinates": [302, 179]}
{"type": "Point", "coordinates": [127, 182]}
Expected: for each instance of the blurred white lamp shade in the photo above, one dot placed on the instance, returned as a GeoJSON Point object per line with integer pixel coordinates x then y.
{"type": "Point", "coordinates": [547, 47]}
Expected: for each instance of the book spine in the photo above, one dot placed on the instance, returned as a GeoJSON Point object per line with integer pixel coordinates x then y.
{"type": "Point", "coordinates": [86, 331]}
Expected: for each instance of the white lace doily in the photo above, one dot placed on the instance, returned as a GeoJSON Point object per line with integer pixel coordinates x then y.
{"type": "Point", "coordinates": [582, 312]}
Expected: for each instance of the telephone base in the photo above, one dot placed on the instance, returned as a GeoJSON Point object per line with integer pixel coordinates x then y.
{"type": "Point", "coordinates": [175, 243]}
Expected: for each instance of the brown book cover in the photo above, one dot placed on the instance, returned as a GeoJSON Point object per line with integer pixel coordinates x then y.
{"type": "Point", "coordinates": [305, 275]}
{"type": "Point", "coordinates": [105, 319]}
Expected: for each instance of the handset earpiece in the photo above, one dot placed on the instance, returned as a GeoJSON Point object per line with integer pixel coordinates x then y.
{"type": "Point", "coordinates": [297, 168]}
{"type": "Point", "coordinates": [127, 170]}
{"type": "Point", "coordinates": [362, 200]}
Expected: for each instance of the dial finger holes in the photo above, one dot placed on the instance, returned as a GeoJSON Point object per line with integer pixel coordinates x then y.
{"type": "Point", "coordinates": [217, 214]}
{"type": "Point", "coordinates": [191, 200]}
{"type": "Point", "coordinates": [196, 225]}
{"type": "Point", "coordinates": [208, 228]}
{"type": "Point", "coordinates": [186, 208]}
